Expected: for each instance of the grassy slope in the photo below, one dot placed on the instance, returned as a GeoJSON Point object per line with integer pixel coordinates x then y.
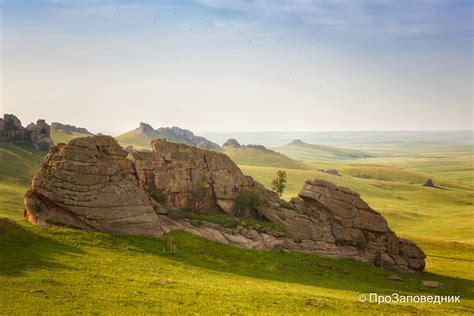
{"type": "Point", "coordinates": [138, 139]}
{"type": "Point", "coordinates": [17, 165]}
{"type": "Point", "coordinates": [61, 137]}
{"type": "Point", "coordinates": [259, 157]}
{"type": "Point", "coordinates": [303, 151]}
{"type": "Point", "coordinates": [99, 273]}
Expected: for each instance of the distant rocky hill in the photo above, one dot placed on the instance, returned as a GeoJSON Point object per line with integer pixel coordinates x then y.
{"type": "Point", "coordinates": [69, 129]}
{"type": "Point", "coordinates": [140, 195]}
{"type": "Point", "coordinates": [145, 133]}
{"type": "Point", "coordinates": [36, 135]}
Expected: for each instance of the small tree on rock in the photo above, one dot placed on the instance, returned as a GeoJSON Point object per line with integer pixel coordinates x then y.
{"type": "Point", "coordinates": [279, 183]}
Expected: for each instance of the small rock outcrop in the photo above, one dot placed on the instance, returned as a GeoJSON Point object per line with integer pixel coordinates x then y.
{"type": "Point", "coordinates": [146, 129]}
{"type": "Point", "coordinates": [231, 143]}
{"type": "Point", "coordinates": [429, 183]}
{"type": "Point", "coordinates": [187, 137]}
{"type": "Point", "coordinates": [37, 135]}
{"type": "Point", "coordinates": [334, 172]}
{"type": "Point", "coordinates": [69, 129]}
{"type": "Point", "coordinates": [90, 184]}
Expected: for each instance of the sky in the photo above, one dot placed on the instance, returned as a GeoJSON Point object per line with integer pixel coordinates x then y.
{"type": "Point", "coordinates": [239, 65]}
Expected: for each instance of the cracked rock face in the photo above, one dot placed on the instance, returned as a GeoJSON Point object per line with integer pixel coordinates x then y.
{"type": "Point", "coordinates": [90, 184]}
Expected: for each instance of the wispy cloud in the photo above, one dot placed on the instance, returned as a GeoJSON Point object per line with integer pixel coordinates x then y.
{"type": "Point", "coordinates": [365, 19]}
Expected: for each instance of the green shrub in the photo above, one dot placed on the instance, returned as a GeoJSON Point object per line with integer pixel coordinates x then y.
{"type": "Point", "coordinates": [159, 195]}
{"type": "Point", "coordinates": [279, 183]}
{"type": "Point", "coordinates": [248, 199]}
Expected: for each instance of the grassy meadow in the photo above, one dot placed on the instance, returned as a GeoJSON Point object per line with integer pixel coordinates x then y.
{"type": "Point", "coordinates": [81, 272]}
{"type": "Point", "coordinates": [95, 273]}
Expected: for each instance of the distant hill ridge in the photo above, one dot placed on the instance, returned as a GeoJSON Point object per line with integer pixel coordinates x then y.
{"type": "Point", "coordinates": [69, 129]}
{"type": "Point", "coordinates": [298, 149]}
{"type": "Point", "coordinates": [145, 133]}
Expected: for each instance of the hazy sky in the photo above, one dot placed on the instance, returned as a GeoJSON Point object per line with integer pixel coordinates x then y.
{"type": "Point", "coordinates": [239, 65]}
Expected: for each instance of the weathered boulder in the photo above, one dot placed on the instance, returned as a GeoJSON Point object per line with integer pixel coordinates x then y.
{"type": "Point", "coordinates": [231, 143]}
{"type": "Point", "coordinates": [37, 135]}
{"type": "Point", "coordinates": [40, 134]}
{"type": "Point", "coordinates": [428, 183]}
{"type": "Point", "coordinates": [12, 131]}
{"type": "Point", "coordinates": [90, 184]}
{"type": "Point", "coordinates": [92, 181]}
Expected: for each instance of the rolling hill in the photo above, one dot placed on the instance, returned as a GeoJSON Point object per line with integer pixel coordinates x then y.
{"type": "Point", "coordinates": [297, 149]}
{"type": "Point", "coordinates": [59, 136]}
{"type": "Point", "coordinates": [17, 166]}
{"type": "Point", "coordinates": [261, 156]}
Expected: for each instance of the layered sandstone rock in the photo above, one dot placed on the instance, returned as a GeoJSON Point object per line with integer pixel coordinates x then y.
{"type": "Point", "coordinates": [178, 169]}
{"type": "Point", "coordinates": [37, 135]}
{"type": "Point", "coordinates": [89, 183]}
{"type": "Point", "coordinates": [93, 181]}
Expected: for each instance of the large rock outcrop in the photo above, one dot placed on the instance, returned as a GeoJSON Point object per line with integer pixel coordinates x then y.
{"type": "Point", "coordinates": [89, 183]}
{"type": "Point", "coordinates": [37, 135]}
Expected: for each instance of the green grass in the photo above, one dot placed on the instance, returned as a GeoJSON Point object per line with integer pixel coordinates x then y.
{"type": "Point", "coordinates": [139, 140]}
{"type": "Point", "coordinates": [86, 273]}
{"type": "Point", "coordinates": [62, 137]}
{"type": "Point", "coordinates": [443, 213]}
{"type": "Point", "coordinates": [17, 166]}
{"type": "Point", "coordinates": [261, 157]}
{"type": "Point", "coordinates": [456, 167]}
{"type": "Point", "coordinates": [303, 151]}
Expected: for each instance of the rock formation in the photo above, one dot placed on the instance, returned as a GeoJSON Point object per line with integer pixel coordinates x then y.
{"type": "Point", "coordinates": [428, 183]}
{"type": "Point", "coordinates": [231, 143]}
{"type": "Point", "coordinates": [90, 184]}
{"type": "Point", "coordinates": [334, 172]}
{"type": "Point", "coordinates": [187, 137]}
{"type": "Point", "coordinates": [69, 129]}
{"type": "Point", "coordinates": [37, 135]}
{"type": "Point", "coordinates": [176, 135]}
{"type": "Point", "coordinates": [146, 129]}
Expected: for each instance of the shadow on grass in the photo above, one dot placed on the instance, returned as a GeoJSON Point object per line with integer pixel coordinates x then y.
{"type": "Point", "coordinates": [22, 250]}
{"type": "Point", "coordinates": [291, 267]}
